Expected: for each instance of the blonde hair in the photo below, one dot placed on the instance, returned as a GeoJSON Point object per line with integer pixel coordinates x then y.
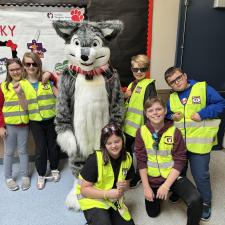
{"type": "Point", "coordinates": [142, 60]}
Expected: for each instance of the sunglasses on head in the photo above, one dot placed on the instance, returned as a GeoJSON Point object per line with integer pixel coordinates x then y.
{"type": "Point", "coordinates": [156, 141]}
{"type": "Point", "coordinates": [29, 64]}
{"type": "Point", "coordinates": [142, 70]}
{"type": "Point", "coordinates": [110, 128]}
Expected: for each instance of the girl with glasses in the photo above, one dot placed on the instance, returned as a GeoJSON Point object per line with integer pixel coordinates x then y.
{"type": "Point", "coordinates": [161, 156]}
{"type": "Point", "coordinates": [41, 108]}
{"type": "Point", "coordinates": [14, 121]}
{"type": "Point", "coordinates": [104, 180]}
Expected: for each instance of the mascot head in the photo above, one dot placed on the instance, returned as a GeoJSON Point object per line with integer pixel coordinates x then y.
{"type": "Point", "coordinates": [86, 43]}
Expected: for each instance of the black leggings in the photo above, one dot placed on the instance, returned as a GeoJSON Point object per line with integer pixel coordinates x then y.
{"type": "Point", "coordinates": [97, 216]}
{"type": "Point", "coordinates": [45, 144]}
{"type": "Point", "coordinates": [188, 193]}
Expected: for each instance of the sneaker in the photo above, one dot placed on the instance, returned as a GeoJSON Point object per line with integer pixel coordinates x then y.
{"type": "Point", "coordinates": [40, 182]}
{"type": "Point", "coordinates": [174, 198]}
{"type": "Point", "coordinates": [134, 183]}
{"type": "Point", "coordinates": [56, 175]}
{"type": "Point", "coordinates": [25, 183]}
{"type": "Point", "coordinates": [206, 212]}
{"type": "Point", "coordinates": [12, 185]}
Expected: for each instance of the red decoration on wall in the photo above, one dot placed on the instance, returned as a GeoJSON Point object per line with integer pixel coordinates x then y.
{"type": "Point", "coordinates": [149, 33]}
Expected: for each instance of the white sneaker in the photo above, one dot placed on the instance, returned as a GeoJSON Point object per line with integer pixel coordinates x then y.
{"type": "Point", "coordinates": [12, 185]}
{"type": "Point", "coordinates": [25, 183]}
{"type": "Point", "coordinates": [40, 182]}
{"type": "Point", "coordinates": [56, 175]}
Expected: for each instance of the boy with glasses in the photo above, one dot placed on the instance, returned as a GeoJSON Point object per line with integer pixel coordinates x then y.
{"type": "Point", "coordinates": [195, 107]}
{"type": "Point", "coordinates": [137, 92]}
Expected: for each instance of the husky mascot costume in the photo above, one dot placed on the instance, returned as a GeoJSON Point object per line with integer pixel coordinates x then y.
{"type": "Point", "coordinates": [89, 91]}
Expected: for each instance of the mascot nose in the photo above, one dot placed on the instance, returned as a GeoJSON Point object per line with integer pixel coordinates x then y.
{"type": "Point", "coordinates": [84, 57]}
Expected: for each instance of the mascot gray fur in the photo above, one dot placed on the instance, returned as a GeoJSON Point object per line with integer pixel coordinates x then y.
{"type": "Point", "coordinates": [89, 91]}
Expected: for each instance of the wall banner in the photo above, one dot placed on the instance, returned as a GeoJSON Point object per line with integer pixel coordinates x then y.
{"type": "Point", "coordinates": [26, 29]}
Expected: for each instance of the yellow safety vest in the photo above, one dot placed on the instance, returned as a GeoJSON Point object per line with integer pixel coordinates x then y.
{"type": "Point", "coordinates": [41, 103]}
{"type": "Point", "coordinates": [160, 162]}
{"type": "Point", "coordinates": [105, 182]}
{"type": "Point", "coordinates": [13, 112]}
{"type": "Point", "coordinates": [199, 136]}
{"type": "Point", "coordinates": [134, 117]}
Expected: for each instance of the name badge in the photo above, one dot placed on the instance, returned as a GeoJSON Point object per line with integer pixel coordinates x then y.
{"type": "Point", "coordinates": [196, 100]}
{"type": "Point", "coordinates": [138, 89]}
{"type": "Point", "coordinates": [46, 87]}
{"type": "Point", "coordinates": [124, 171]}
{"type": "Point", "coordinates": [168, 140]}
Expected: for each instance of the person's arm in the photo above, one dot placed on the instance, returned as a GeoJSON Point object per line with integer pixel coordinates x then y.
{"type": "Point", "coordinates": [141, 155]}
{"type": "Point", "coordinates": [148, 193]}
{"type": "Point", "coordinates": [89, 191]}
{"type": "Point", "coordinates": [2, 100]}
{"type": "Point", "coordinates": [163, 190]}
{"type": "Point", "coordinates": [150, 91]}
{"type": "Point", "coordinates": [116, 99]}
{"type": "Point", "coordinates": [3, 131]}
{"type": "Point", "coordinates": [21, 96]}
{"type": "Point", "coordinates": [48, 76]}
{"type": "Point", "coordinates": [169, 113]}
{"type": "Point", "coordinates": [215, 104]}
{"type": "Point", "coordinates": [125, 184]}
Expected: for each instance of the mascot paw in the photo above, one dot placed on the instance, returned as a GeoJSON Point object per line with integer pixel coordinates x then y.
{"type": "Point", "coordinates": [71, 199]}
{"type": "Point", "coordinates": [67, 142]}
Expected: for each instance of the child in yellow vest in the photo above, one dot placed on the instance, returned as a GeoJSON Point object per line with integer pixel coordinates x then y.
{"type": "Point", "coordinates": [14, 121]}
{"type": "Point", "coordinates": [41, 109]}
{"type": "Point", "coordinates": [137, 92]}
{"type": "Point", "coordinates": [195, 107]}
{"type": "Point", "coordinates": [161, 156]}
{"type": "Point", "coordinates": [104, 179]}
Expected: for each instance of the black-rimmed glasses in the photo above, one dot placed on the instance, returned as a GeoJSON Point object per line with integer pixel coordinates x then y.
{"type": "Point", "coordinates": [177, 80]}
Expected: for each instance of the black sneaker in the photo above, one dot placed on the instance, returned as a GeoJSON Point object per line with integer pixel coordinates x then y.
{"type": "Point", "coordinates": [134, 183]}
{"type": "Point", "coordinates": [206, 212]}
{"type": "Point", "coordinates": [174, 198]}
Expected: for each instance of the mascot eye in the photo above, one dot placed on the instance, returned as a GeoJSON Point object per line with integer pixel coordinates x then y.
{"type": "Point", "coordinates": [95, 43]}
{"type": "Point", "coordinates": [76, 42]}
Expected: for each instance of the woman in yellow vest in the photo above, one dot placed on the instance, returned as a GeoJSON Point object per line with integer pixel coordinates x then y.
{"type": "Point", "coordinates": [104, 180]}
{"type": "Point", "coordinates": [14, 127]}
{"type": "Point", "coordinates": [161, 156]}
{"type": "Point", "coordinates": [41, 109]}
{"type": "Point", "coordinates": [137, 93]}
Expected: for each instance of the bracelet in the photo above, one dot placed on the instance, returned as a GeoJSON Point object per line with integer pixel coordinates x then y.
{"type": "Point", "coordinates": [165, 187]}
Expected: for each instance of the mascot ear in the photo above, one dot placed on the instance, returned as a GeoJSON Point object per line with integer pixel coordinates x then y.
{"type": "Point", "coordinates": [64, 28]}
{"type": "Point", "coordinates": [111, 28]}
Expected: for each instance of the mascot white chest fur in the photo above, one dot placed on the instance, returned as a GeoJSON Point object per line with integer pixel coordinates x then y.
{"type": "Point", "coordinates": [89, 89]}
{"type": "Point", "coordinates": [91, 108]}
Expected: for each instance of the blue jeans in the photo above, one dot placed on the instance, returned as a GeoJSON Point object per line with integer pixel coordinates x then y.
{"type": "Point", "coordinates": [199, 165]}
{"type": "Point", "coordinates": [16, 139]}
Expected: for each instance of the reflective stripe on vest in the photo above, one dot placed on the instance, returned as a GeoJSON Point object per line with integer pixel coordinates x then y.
{"type": "Point", "coordinates": [134, 117]}
{"type": "Point", "coordinates": [105, 182]}
{"type": "Point", "coordinates": [199, 136]}
{"type": "Point", "coordinates": [160, 162]}
{"type": "Point", "coordinates": [12, 110]}
{"type": "Point", "coordinates": [41, 103]}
